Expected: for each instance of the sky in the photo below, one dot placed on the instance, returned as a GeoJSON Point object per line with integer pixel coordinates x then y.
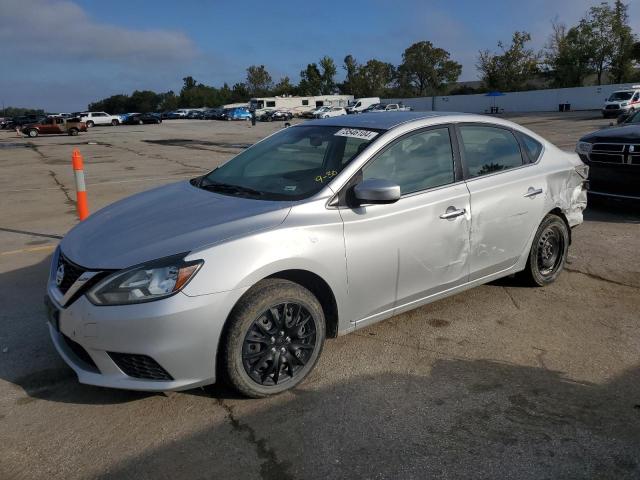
{"type": "Point", "coordinates": [61, 55]}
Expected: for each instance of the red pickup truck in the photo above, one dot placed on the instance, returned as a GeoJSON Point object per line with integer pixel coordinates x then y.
{"type": "Point", "coordinates": [55, 125]}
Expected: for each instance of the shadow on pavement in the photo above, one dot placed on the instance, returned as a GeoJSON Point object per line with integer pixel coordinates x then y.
{"type": "Point", "coordinates": [467, 419]}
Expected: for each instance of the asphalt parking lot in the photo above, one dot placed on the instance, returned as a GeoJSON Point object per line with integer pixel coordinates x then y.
{"type": "Point", "coordinates": [501, 381]}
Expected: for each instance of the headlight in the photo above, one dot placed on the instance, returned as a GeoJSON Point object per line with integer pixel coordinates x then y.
{"type": "Point", "coordinates": [145, 283]}
{"type": "Point", "coordinates": [584, 147]}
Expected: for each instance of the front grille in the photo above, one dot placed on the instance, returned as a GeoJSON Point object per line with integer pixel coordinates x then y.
{"type": "Point", "coordinates": [81, 353]}
{"type": "Point", "coordinates": [608, 147]}
{"type": "Point", "coordinates": [140, 366]}
{"type": "Point", "coordinates": [612, 107]}
{"type": "Point", "coordinates": [71, 273]}
{"type": "Point", "coordinates": [606, 157]}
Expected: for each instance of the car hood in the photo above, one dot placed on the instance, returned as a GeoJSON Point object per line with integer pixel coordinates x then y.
{"type": "Point", "coordinates": [627, 133]}
{"type": "Point", "coordinates": [165, 221]}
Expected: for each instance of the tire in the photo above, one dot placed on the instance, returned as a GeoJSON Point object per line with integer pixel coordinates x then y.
{"type": "Point", "coordinates": [140, 122]}
{"type": "Point", "coordinates": [32, 133]}
{"type": "Point", "coordinates": [548, 252]}
{"type": "Point", "coordinates": [90, 124]}
{"type": "Point", "coordinates": [253, 331]}
{"type": "Point", "coordinates": [115, 123]}
{"type": "Point", "coordinates": [73, 132]}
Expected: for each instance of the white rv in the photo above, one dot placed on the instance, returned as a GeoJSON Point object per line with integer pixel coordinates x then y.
{"type": "Point", "coordinates": [298, 105]}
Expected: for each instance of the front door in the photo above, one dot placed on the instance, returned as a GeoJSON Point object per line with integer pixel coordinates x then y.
{"type": "Point", "coordinates": [398, 254]}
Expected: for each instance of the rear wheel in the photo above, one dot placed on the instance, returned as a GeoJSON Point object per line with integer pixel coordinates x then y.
{"type": "Point", "coordinates": [274, 338]}
{"type": "Point", "coordinates": [114, 122]}
{"type": "Point", "coordinates": [548, 252]}
{"type": "Point", "coordinates": [140, 122]}
{"type": "Point", "coordinates": [33, 133]}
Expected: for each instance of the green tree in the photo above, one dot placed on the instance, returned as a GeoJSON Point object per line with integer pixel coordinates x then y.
{"type": "Point", "coordinates": [512, 68]}
{"type": "Point", "coordinates": [168, 102]}
{"type": "Point", "coordinates": [239, 93]}
{"type": "Point", "coordinates": [350, 65]}
{"type": "Point", "coordinates": [258, 81]}
{"type": "Point", "coordinates": [375, 77]}
{"type": "Point", "coordinates": [328, 72]}
{"type": "Point", "coordinates": [568, 55]}
{"type": "Point", "coordinates": [623, 51]}
{"type": "Point", "coordinates": [427, 68]}
{"type": "Point", "coordinates": [284, 87]}
{"type": "Point", "coordinates": [310, 80]}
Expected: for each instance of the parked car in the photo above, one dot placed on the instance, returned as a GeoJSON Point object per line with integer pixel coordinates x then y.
{"type": "Point", "coordinates": [387, 107]}
{"type": "Point", "coordinates": [622, 102]}
{"type": "Point", "coordinates": [332, 112]}
{"type": "Point", "coordinates": [213, 114]}
{"type": "Point", "coordinates": [613, 156]}
{"type": "Point", "coordinates": [238, 113]}
{"type": "Point", "coordinates": [20, 121]}
{"type": "Point", "coordinates": [361, 104]}
{"type": "Point", "coordinates": [196, 115]}
{"type": "Point", "coordinates": [276, 115]}
{"type": "Point", "coordinates": [314, 112]}
{"type": "Point", "coordinates": [97, 118]}
{"type": "Point", "coordinates": [244, 270]}
{"type": "Point", "coordinates": [55, 125]}
{"type": "Point", "coordinates": [140, 118]}
{"type": "Point", "coordinates": [125, 116]}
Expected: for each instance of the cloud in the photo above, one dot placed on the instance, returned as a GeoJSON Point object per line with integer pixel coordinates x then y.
{"type": "Point", "coordinates": [61, 30]}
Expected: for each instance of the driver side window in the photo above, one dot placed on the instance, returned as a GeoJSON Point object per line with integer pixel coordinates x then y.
{"type": "Point", "coordinates": [416, 162]}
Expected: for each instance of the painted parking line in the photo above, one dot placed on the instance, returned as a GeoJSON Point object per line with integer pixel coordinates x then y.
{"type": "Point", "coordinates": [41, 248]}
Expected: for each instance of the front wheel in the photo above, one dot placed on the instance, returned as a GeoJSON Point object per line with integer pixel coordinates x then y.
{"type": "Point", "coordinates": [73, 132]}
{"type": "Point", "coordinates": [33, 133]}
{"type": "Point", "coordinates": [114, 123]}
{"type": "Point", "coordinates": [274, 338]}
{"type": "Point", "coordinates": [548, 252]}
{"type": "Point", "coordinates": [90, 124]}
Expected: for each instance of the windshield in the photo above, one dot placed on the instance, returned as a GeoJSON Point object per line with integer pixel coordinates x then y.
{"type": "Point", "coordinates": [293, 164]}
{"type": "Point", "coordinates": [620, 96]}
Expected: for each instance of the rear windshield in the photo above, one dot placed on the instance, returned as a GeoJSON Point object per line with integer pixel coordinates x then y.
{"type": "Point", "coordinates": [294, 163]}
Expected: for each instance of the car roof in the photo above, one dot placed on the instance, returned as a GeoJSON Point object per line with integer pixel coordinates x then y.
{"type": "Point", "coordinates": [384, 121]}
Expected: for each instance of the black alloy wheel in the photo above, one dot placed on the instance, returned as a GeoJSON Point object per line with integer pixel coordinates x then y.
{"type": "Point", "coordinates": [279, 344]}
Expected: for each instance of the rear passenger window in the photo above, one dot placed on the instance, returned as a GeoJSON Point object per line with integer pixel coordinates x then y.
{"type": "Point", "coordinates": [415, 162]}
{"type": "Point", "coordinates": [531, 146]}
{"type": "Point", "coordinates": [489, 149]}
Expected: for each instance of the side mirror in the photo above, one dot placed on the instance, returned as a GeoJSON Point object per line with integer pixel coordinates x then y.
{"type": "Point", "coordinates": [377, 191]}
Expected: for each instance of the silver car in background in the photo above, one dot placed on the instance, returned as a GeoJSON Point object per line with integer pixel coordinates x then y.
{"type": "Point", "coordinates": [316, 231]}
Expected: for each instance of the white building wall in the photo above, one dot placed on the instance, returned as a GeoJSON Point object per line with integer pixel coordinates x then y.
{"type": "Point", "coordinates": [580, 98]}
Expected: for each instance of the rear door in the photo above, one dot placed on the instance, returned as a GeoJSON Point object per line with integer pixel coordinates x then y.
{"type": "Point", "coordinates": [400, 253]}
{"type": "Point", "coordinates": [507, 196]}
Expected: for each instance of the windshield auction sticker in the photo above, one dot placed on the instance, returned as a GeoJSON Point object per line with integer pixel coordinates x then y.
{"type": "Point", "coordinates": [356, 133]}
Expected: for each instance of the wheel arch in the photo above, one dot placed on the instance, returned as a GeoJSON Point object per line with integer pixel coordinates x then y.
{"type": "Point", "coordinates": [558, 212]}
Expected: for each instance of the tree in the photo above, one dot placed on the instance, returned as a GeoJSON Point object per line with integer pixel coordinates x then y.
{"type": "Point", "coordinates": [510, 70]}
{"type": "Point", "coordinates": [239, 93]}
{"type": "Point", "coordinates": [310, 80]}
{"type": "Point", "coordinates": [351, 66]}
{"type": "Point", "coordinates": [258, 81]}
{"type": "Point", "coordinates": [427, 68]}
{"type": "Point", "coordinates": [375, 76]}
{"type": "Point", "coordinates": [623, 51]}
{"type": "Point", "coordinates": [568, 55]}
{"type": "Point", "coordinates": [328, 72]}
{"type": "Point", "coordinates": [284, 87]}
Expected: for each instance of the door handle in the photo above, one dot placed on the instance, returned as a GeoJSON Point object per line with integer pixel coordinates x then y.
{"type": "Point", "coordinates": [532, 192]}
{"type": "Point", "coordinates": [452, 212]}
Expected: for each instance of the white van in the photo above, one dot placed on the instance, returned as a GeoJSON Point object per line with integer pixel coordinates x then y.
{"type": "Point", "coordinates": [620, 102]}
{"type": "Point", "coordinates": [361, 104]}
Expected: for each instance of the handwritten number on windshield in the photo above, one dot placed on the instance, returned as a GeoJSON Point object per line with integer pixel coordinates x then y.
{"type": "Point", "coordinates": [328, 175]}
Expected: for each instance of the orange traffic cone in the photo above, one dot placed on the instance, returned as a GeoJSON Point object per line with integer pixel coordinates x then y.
{"type": "Point", "coordinates": [81, 188]}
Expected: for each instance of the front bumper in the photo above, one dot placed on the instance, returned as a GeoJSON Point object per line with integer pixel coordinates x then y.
{"type": "Point", "coordinates": [180, 333]}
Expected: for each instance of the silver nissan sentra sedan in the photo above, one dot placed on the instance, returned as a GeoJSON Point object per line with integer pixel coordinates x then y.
{"type": "Point", "coordinates": [316, 231]}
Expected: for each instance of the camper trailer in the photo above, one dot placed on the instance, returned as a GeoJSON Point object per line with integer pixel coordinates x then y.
{"type": "Point", "coordinates": [297, 105]}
